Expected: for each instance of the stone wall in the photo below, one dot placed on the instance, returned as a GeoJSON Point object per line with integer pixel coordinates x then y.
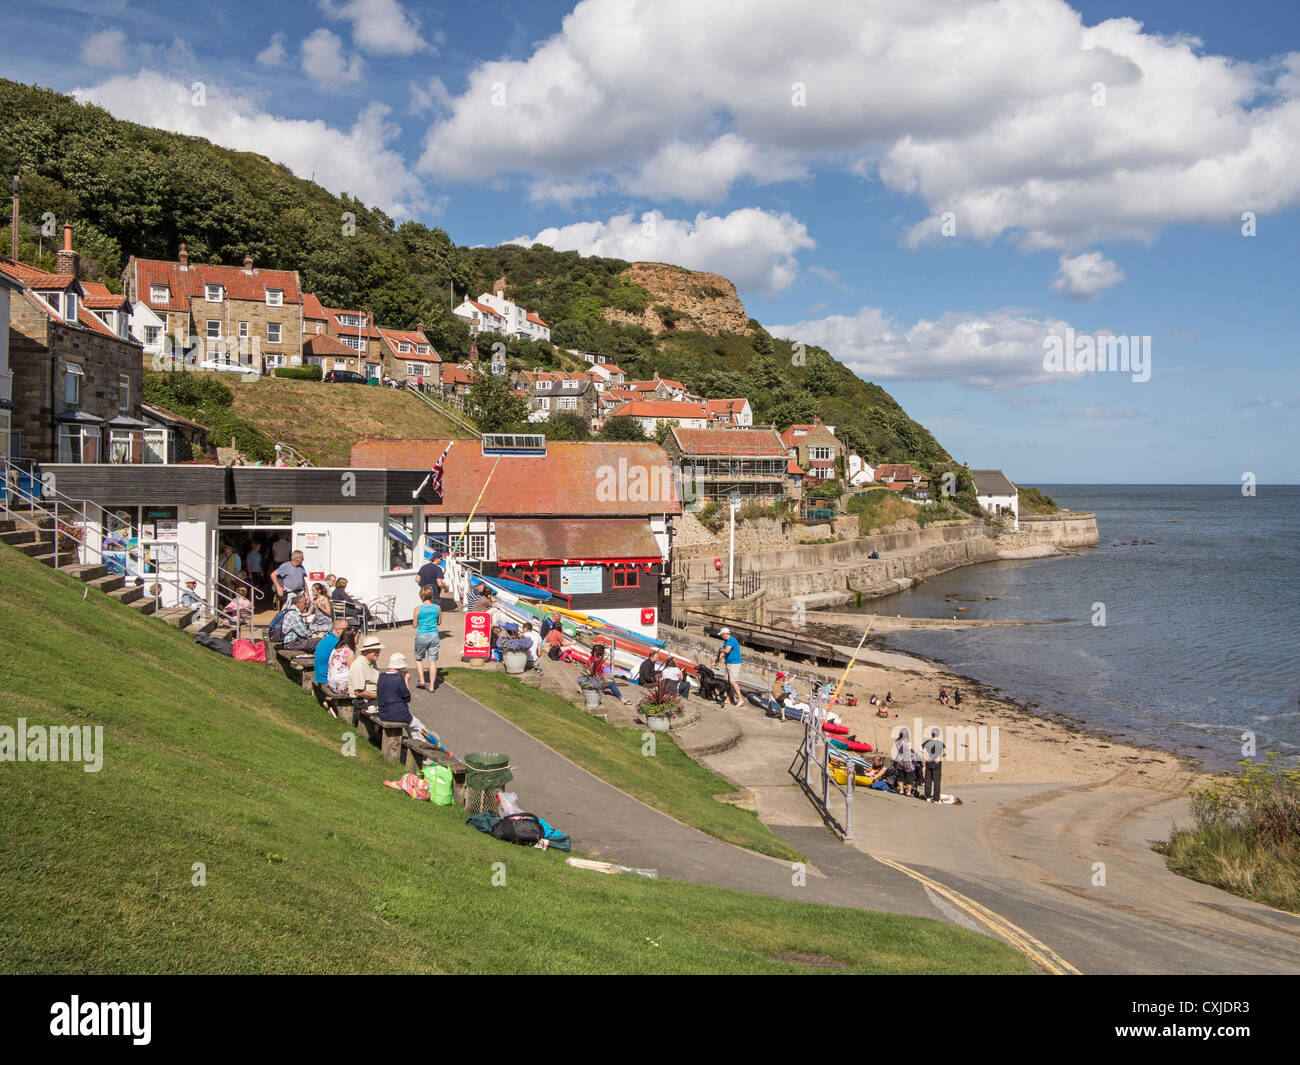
{"type": "Point", "coordinates": [1067, 528]}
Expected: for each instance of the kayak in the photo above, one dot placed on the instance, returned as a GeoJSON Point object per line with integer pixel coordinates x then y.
{"type": "Point", "coordinates": [518, 587]}
{"type": "Point", "coordinates": [836, 730]}
{"type": "Point", "coordinates": [850, 745]}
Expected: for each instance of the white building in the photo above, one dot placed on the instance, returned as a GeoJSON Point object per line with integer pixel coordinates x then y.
{"type": "Point", "coordinates": [149, 328]}
{"type": "Point", "coordinates": [860, 471]}
{"type": "Point", "coordinates": [996, 494]}
{"type": "Point", "coordinates": [493, 313]}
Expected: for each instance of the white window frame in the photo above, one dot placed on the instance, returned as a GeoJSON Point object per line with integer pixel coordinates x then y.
{"type": "Point", "coordinates": [243, 330]}
{"type": "Point", "coordinates": [81, 434]}
{"type": "Point", "coordinates": [403, 348]}
{"type": "Point", "coordinates": [212, 293]}
{"type": "Point", "coordinates": [279, 332]}
{"type": "Point", "coordinates": [209, 332]}
{"type": "Point", "coordinates": [355, 343]}
{"type": "Point", "coordinates": [124, 438]}
{"type": "Point", "coordinates": [151, 335]}
{"type": "Point", "coordinates": [275, 297]}
{"type": "Point", "coordinates": [123, 393]}
{"type": "Point", "coordinates": [566, 402]}
{"type": "Point", "coordinates": [417, 369]}
{"type": "Point", "coordinates": [160, 294]}
{"type": "Point", "coordinates": [821, 454]}
{"type": "Point", "coordinates": [476, 546]}
{"type": "Point", "coordinates": [422, 349]}
{"type": "Point", "coordinates": [153, 438]}
{"type": "Point", "coordinates": [72, 375]}
{"type": "Point", "coordinates": [70, 307]}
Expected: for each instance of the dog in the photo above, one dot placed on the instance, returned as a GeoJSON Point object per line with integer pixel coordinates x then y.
{"type": "Point", "coordinates": [711, 685]}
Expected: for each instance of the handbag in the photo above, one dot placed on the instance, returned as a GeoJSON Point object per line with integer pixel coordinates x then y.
{"type": "Point", "coordinates": [249, 651]}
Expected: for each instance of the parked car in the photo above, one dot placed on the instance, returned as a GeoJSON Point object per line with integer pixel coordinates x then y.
{"type": "Point", "coordinates": [222, 366]}
{"type": "Point", "coordinates": [345, 377]}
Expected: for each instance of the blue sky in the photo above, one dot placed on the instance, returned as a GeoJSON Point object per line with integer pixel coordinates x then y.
{"type": "Point", "coordinates": [932, 190]}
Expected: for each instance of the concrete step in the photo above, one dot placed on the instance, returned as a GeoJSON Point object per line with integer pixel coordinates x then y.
{"type": "Point", "coordinates": [128, 593]}
{"type": "Point", "coordinates": [709, 732]}
{"type": "Point", "coordinates": [179, 616]}
{"type": "Point", "coordinates": [107, 583]}
{"type": "Point", "coordinates": [45, 559]}
{"type": "Point", "coordinates": [86, 572]}
{"type": "Point", "coordinates": [146, 605]}
{"type": "Point", "coordinates": [195, 628]}
{"type": "Point", "coordinates": [35, 548]}
{"type": "Point", "coordinates": [24, 534]}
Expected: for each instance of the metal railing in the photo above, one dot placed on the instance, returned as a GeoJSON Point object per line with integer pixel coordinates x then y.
{"type": "Point", "coordinates": [72, 520]}
{"type": "Point", "coordinates": [814, 766]}
{"type": "Point", "coordinates": [436, 403]}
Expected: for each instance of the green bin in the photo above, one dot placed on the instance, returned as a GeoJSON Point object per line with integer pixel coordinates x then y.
{"type": "Point", "coordinates": [487, 772]}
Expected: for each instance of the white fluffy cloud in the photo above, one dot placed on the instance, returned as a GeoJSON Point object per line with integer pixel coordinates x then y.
{"type": "Point", "coordinates": [323, 62]}
{"type": "Point", "coordinates": [1086, 276]}
{"type": "Point", "coordinates": [381, 27]}
{"type": "Point", "coordinates": [274, 54]}
{"type": "Point", "coordinates": [753, 248]}
{"type": "Point", "coordinates": [105, 49]}
{"type": "Point", "coordinates": [1000, 349]}
{"type": "Point", "coordinates": [357, 161]}
{"type": "Point", "coordinates": [988, 110]}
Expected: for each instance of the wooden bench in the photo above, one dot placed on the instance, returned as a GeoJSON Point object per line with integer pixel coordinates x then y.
{"type": "Point", "coordinates": [337, 705]}
{"type": "Point", "coordinates": [298, 666]}
{"type": "Point", "coordinates": [387, 735]}
{"type": "Point", "coordinates": [422, 752]}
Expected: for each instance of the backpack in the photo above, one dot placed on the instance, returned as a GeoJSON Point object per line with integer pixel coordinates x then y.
{"type": "Point", "coordinates": [275, 630]}
{"type": "Point", "coordinates": [554, 653]}
{"type": "Point", "coordinates": [524, 829]}
{"type": "Point", "coordinates": [547, 626]}
{"type": "Point", "coordinates": [215, 643]}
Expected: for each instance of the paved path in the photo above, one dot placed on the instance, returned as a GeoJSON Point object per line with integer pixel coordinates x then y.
{"type": "Point", "coordinates": [1027, 853]}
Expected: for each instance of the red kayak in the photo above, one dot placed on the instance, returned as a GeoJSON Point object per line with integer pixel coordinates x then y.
{"type": "Point", "coordinates": [836, 730]}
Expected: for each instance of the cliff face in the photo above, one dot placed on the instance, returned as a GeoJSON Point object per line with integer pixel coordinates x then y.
{"type": "Point", "coordinates": [707, 302]}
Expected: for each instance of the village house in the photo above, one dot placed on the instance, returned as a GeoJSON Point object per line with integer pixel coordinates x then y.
{"type": "Point", "coordinates": [454, 381]}
{"type": "Point", "coordinates": [815, 448]}
{"type": "Point", "coordinates": [493, 313]}
{"type": "Point", "coordinates": [653, 414]}
{"type": "Point", "coordinates": [898, 474]}
{"type": "Point", "coordinates": [729, 412]}
{"type": "Point", "coordinates": [314, 318]}
{"type": "Point", "coordinates": [187, 440]}
{"type": "Point", "coordinates": [356, 328]}
{"type": "Point", "coordinates": [330, 353]}
{"type": "Point", "coordinates": [408, 356]}
{"type": "Point", "coordinates": [718, 463]}
{"type": "Point", "coordinates": [661, 389]}
{"type": "Point", "coordinates": [229, 314]}
{"type": "Point", "coordinates": [558, 390]}
{"type": "Point", "coordinates": [996, 494]}
{"type": "Point", "coordinates": [607, 375]}
{"type": "Point", "coordinates": [76, 380]}
{"type": "Point", "coordinates": [860, 471]}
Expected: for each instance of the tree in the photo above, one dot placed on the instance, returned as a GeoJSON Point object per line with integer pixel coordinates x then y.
{"type": "Point", "coordinates": [622, 427]}
{"type": "Point", "coordinates": [762, 339]}
{"type": "Point", "coordinates": [571, 334]}
{"type": "Point", "coordinates": [764, 372]}
{"type": "Point", "coordinates": [493, 405]}
{"type": "Point", "coordinates": [663, 428]}
{"type": "Point", "coordinates": [819, 378]}
{"type": "Point", "coordinates": [566, 425]}
{"type": "Point", "coordinates": [792, 406]}
{"type": "Point", "coordinates": [722, 384]}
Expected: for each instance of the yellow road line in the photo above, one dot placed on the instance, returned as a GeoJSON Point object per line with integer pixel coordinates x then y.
{"type": "Point", "coordinates": [1034, 949]}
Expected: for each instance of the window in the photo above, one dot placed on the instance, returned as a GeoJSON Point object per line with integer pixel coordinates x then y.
{"type": "Point", "coordinates": [70, 311]}
{"type": "Point", "coordinates": [417, 369]}
{"type": "Point", "coordinates": [243, 329]}
{"type": "Point", "coordinates": [125, 445]}
{"type": "Point", "coordinates": [54, 299]}
{"type": "Point", "coordinates": [212, 293]}
{"type": "Point", "coordinates": [477, 545]}
{"type": "Point", "coordinates": [157, 445]}
{"type": "Point", "coordinates": [404, 349]}
{"type": "Point", "coordinates": [151, 335]}
{"type": "Point", "coordinates": [72, 375]}
{"type": "Point", "coordinates": [277, 360]}
{"type": "Point", "coordinates": [123, 393]}
{"type": "Point", "coordinates": [275, 297]}
{"type": "Point", "coordinates": [355, 343]}
{"type": "Point", "coordinates": [627, 577]}
{"type": "Point", "coordinates": [320, 326]}
{"type": "Point", "coordinates": [544, 385]}
{"type": "Point", "coordinates": [400, 529]}
{"type": "Point", "coordinates": [273, 332]}
{"type": "Point", "coordinates": [571, 384]}
{"type": "Point", "coordinates": [566, 403]}
{"type": "Point", "coordinates": [354, 320]}
{"type": "Point", "coordinates": [545, 401]}
{"type": "Point", "coordinates": [422, 349]}
{"type": "Point", "coordinates": [821, 454]}
{"type": "Point", "coordinates": [213, 329]}
{"type": "Point", "coordinates": [79, 443]}
{"type": "Point", "coordinates": [159, 294]}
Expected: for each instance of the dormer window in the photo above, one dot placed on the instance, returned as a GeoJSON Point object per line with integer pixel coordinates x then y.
{"type": "Point", "coordinates": [212, 293]}
{"type": "Point", "coordinates": [70, 307]}
{"type": "Point", "coordinates": [275, 297]}
{"type": "Point", "coordinates": [544, 384]}
{"type": "Point", "coordinates": [422, 349]}
{"type": "Point", "coordinates": [405, 349]}
{"type": "Point", "coordinates": [159, 294]}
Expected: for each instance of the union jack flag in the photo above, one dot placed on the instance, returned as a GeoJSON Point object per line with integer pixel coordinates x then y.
{"type": "Point", "coordinates": [434, 477]}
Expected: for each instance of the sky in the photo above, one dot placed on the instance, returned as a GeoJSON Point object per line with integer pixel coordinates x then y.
{"type": "Point", "coordinates": [960, 200]}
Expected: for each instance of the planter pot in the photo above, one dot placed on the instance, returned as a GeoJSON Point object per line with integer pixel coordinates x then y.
{"type": "Point", "coordinates": [515, 661]}
{"type": "Point", "coordinates": [658, 722]}
{"type": "Point", "coordinates": [592, 697]}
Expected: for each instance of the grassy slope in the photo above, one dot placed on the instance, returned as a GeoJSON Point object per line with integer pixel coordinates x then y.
{"type": "Point", "coordinates": [312, 865]}
{"type": "Point", "coordinates": [671, 781]}
{"type": "Point", "coordinates": [323, 421]}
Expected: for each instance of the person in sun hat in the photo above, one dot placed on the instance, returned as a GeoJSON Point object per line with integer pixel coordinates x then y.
{"type": "Point", "coordinates": [363, 678]}
{"type": "Point", "coordinates": [731, 647]}
{"type": "Point", "coordinates": [395, 696]}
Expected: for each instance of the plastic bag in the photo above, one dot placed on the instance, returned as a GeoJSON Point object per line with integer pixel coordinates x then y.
{"type": "Point", "coordinates": [508, 802]}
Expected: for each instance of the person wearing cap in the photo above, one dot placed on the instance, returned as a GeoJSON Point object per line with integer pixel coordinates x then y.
{"type": "Point", "coordinates": [363, 677]}
{"type": "Point", "coordinates": [395, 696]}
{"type": "Point", "coordinates": [295, 626]}
{"type": "Point", "coordinates": [776, 702]}
{"type": "Point", "coordinates": [731, 646]}
{"type": "Point", "coordinates": [191, 597]}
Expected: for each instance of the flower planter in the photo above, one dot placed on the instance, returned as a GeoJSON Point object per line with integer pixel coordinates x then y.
{"type": "Point", "coordinates": [658, 722]}
{"type": "Point", "coordinates": [515, 661]}
{"type": "Point", "coordinates": [591, 696]}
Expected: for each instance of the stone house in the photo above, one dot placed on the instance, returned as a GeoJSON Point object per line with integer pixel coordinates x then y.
{"type": "Point", "coordinates": [10, 290]}
{"type": "Point", "coordinates": [729, 412]}
{"type": "Point", "coordinates": [996, 494]}
{"type": "Point", "coordinates": [76, 381]}
{"type": "Point", "coordinates": [330, 353]}
{"type": "Point", "coordinates": [455, 379]}
{"type": "Point", "coordinates": [717, 463]}
{"type": "Point", "coordinates": [815, 448]}
{"type": "Point", "coordinates": [229, 314]}
{"type": "Point", "coordinates": [558, 390]}
{"type": "Point", "coordinates": [408, 356]}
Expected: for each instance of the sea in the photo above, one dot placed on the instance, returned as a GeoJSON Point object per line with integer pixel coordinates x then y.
{"type": "Point", "coordinates": [1178, 631]}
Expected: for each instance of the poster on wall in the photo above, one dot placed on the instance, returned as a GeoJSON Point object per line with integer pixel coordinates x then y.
{"type": "Point", "coordinates": [581, 580]}
{"type": "Point", "coordinates": [120, 541]}
{"type": "Point", "coordinates": [478, 636]}
{"type": "Point", "coordinates": [166, 530]}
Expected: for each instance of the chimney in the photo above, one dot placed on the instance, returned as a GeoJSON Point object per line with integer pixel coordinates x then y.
{"type": "Point", "coordinates": [67, 261]}
{"type": "Point", "coordinates": [420, 328]}
{"type": "Point", "coordinates": [248, 263]}
{"type": "Point", "coordinates": [13, 223]}
{"type": "Point", "coordinates": [501, 295]}
{"type": "Point", "coordinates": [183, 257]}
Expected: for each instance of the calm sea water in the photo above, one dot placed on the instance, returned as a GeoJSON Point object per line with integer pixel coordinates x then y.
{"type": "Point", "coordinates": [1201, 625]}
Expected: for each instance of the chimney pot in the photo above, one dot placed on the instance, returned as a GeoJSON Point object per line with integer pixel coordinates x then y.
{"type": "Point", "coordinates": [67, 236]}
{"type": "Point", "coordinates": [248, 262]}
{"type": "Point", "coordinates": [183, 257]}
{"type": "Point", "coordinates": [67, 261]}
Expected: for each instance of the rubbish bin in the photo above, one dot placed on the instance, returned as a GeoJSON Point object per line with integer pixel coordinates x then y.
{"type": "Point", "coordinates": [485, 775]}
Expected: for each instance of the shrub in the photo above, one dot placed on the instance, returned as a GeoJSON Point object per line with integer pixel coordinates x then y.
{"type": "Point", "coordinates": [299, 373]}
{"type": "Point", "coordinates": [711, 516]}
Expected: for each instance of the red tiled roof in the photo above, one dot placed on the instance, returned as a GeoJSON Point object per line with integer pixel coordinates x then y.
{"type": "Point", "coordinates": [324, 344]}
{"type": "Point", "coordinates": [727, 406]}
{"type": "Point", "coordinates": [372, 333]}
{"type": "Point", "coordinates": [793, 467]}
{"type": "Point", "coordinates": [84, 317]}
{"type": "Point", "coordinates": [34, 277]}
{"type": "Point", "coordinates": [895, 471]}
{"type": "Point", "coordinates": [99, 298]}
{"type": "Point", "coordinates": [639, 408]}
{"type": "Point", "coordinates": [753, 443]}
{"type": "Point", "coordinates": [311, 307]}
{"type": "Point", "coordinates": [576, 540]}
{"type": "Point", "coordinates": [483, 308]}
{"type": "Point", "coordinates": [393, 337]}
{"type": "Point", "coordinates": [456, 373]}
{"type": "Point", "coordinates": [533, 318]}
{"type": "Point", "coordinates": [571, 480]}
{"type": "Point", "coordinates": [190, 283]}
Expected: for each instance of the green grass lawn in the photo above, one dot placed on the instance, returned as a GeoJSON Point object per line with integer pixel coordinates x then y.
{"type": "Point", "coordinates": [670, 781]}
{"type": "Point", "coordinates": [311, 864]}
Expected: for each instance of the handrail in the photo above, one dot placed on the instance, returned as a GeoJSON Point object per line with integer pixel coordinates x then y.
{"type": "Point", "coordinates": [444, 409]}
{"type": "Point", "coordinates": [220, 595]}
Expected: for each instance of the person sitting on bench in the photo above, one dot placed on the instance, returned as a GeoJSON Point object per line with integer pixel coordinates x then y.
{"type": "Point", "coordinates": [394, 697]}
{"type": "Point", "coordinates": [296, 628]}
{"type": "Point", "coordinates": [363, 677]}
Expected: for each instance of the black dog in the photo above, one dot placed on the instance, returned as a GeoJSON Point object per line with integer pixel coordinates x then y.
{"type": "Point", "coordinates": [711, 685]}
